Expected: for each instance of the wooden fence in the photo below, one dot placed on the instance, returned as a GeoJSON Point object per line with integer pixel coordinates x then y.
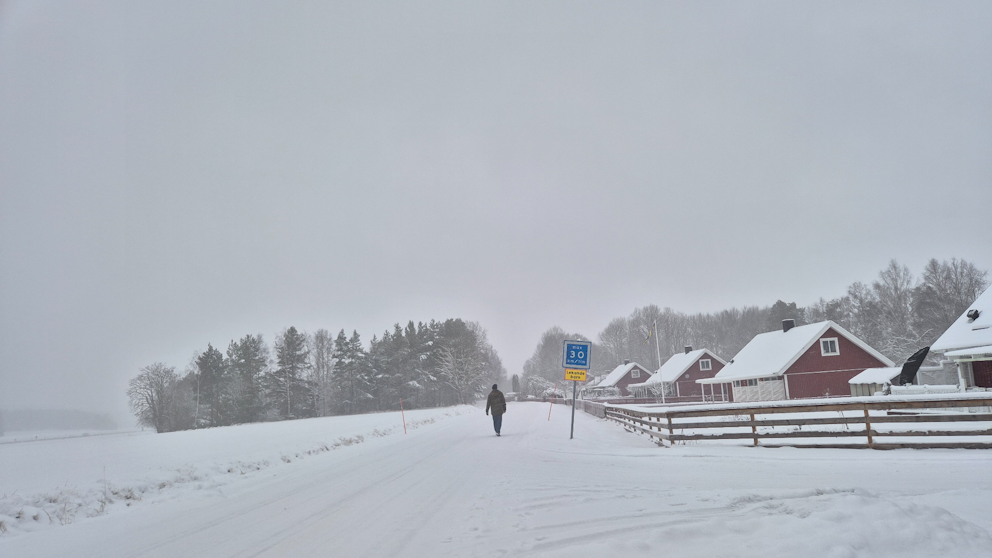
{"type": "Point", "coordinates": [874, 422]}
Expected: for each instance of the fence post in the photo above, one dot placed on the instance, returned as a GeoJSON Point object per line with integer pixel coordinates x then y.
{"type": "Point", "coordinates": [868, 426]}
{"type": "Point", "coordinates": [754, 430]}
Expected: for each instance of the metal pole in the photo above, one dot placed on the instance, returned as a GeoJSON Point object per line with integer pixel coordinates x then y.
{"type": "Point", "coordinates": [657, 347]}
{"type": "Point", "coordinates": [572, 433]}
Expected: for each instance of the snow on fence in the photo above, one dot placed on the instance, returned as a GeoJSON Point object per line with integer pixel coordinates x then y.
{"type": "Point", "coordinates": [934, 421]}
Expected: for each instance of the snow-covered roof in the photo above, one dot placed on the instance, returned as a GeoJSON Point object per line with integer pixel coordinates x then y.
{"type": "Point", "coordinates": [676, 365]}
{"type": "Point", "coordinates": [973, 351]}
{"type": "Point", "coordinates": [619, 372]}
{"type": "Point", "coordinates": [965, 332]}
{"type": "Point", "coordinates": [772, 353]}
{"type": "Point", "coordinates": [876, 375]}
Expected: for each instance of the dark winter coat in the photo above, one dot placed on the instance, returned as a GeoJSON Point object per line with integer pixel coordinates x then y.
{"type": "Point", "coordinates": [496, 402]}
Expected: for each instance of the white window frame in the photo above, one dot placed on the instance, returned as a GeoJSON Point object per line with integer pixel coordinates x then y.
{"type": "Point", "coordinates": [635, 373]}
{"type": "Point", "coordinates": [708, 362]}
{"type": "Point", "coordinates": [823, 347]}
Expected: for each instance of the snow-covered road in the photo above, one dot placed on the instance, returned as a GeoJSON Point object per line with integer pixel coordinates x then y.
{"type": "Point", "coordinates": [451, 488]}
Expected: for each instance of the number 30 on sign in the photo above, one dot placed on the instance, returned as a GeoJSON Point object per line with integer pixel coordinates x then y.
{"type": "Point", "coordinates": [576, 355]}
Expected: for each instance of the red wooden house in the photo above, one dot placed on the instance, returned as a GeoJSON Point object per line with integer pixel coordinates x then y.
{"type": "Point", "coordinates": [679, 374]}
{"type": "Point", "coordinates": [623, 376]}
{"type": "Point", "coordinates": [815, 360]}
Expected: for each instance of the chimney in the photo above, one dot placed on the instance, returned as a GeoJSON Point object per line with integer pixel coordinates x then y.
{"type": "Point", "coordinates": [688, 349]}
{"type": "Point", "coordinates": [626, 361]}
{"type": "Point", "coordinates": [788, 324]}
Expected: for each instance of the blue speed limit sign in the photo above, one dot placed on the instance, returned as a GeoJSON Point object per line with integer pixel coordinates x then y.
{"type": "Point", "coordinates": [576, 354]}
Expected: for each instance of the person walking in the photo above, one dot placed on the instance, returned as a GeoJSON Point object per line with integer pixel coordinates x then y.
{"type": "Point", "coordinates": [497, 403]}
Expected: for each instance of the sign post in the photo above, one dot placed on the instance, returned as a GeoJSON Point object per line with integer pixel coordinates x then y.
{"type": "Point", "coordinates": [575, 361]}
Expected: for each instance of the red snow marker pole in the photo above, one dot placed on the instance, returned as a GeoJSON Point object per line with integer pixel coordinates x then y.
{"type": "Point", "coordinates": [552, 400]}
{"type": "Point", "coordinates": [402, 414]}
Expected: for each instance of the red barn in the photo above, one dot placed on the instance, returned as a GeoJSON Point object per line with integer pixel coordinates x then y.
{"type": "Point", "coordinates": [815, 360]}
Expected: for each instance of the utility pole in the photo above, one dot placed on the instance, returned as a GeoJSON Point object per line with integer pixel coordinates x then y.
{"type": "Point", "coordinates": [657, 347]}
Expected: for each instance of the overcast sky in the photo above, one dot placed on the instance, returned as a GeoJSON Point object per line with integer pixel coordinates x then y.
{"type": "Point", "coordinates": [178, 173]}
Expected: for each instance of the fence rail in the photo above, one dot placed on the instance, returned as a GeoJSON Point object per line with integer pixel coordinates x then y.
{"type": "Point", "coordinates": [901, 423]}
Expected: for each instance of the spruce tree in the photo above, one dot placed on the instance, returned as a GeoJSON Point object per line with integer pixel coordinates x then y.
{"type": "Point", "coordinates": [248, 360]}
{"type": "Point", "coordinates": [214, 406]}
{"type": "Point", "coordinates": [350, 372]}
{"type": "Point", "coordinates": [287, 387]}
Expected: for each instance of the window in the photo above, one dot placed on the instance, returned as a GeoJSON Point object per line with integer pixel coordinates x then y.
{"type": "Point", "coordinates": [828, 346]}
{"type": "Point", "coordinates": [705, 364]}
{"type": "Point", "coordinates": [752, 382]}
{"type": "Point", "coordinates": [635, 373]}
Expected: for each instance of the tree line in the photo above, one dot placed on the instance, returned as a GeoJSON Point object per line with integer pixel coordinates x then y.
{"type": "Point", "coordinates": [896, 313]}
{"type": "Point", "coordinates": [309, 375]}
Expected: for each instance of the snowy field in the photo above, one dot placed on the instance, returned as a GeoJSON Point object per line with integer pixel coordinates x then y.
{"type": "Point", "coordinates": [18, 436]}
{"type": "Point", "coordinates": [357, 486]}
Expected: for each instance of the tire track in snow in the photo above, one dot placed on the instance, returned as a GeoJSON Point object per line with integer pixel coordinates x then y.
{"type": "Point", "coordinates": [301, 493]}
{"type": "Point", "coordinates": [378, 513]}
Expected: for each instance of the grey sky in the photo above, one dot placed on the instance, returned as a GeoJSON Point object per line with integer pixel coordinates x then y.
{"type": "Point", "coordinates": [174, 173]}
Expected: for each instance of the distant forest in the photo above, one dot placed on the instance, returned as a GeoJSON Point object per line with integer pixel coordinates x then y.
{"type": "Point", "coordinates": [896, 313]}
{"type": "Point", "coordinates": [310, 375]}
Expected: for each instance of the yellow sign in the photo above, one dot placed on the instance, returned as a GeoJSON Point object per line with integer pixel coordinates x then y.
{"type": "Point", "coordinates": [575, 375]}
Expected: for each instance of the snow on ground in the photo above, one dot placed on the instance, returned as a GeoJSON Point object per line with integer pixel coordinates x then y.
{"type": "Point", "coordinates": [451, 488]}
{"type": "Point", "coordinates": [59, 479]}
{"type": "Point", "coordinates": [18, 436]}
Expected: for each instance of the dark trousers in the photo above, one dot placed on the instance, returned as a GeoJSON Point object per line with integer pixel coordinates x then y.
{"type": "Point", "coordinates": [497, 422]}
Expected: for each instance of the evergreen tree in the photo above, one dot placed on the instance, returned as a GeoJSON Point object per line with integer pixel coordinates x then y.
{"type": "Point", "coordinates": [783, 311]}
{"type": "Point", "coordinates": [248, 360]}
{"type": "Point", "coordinates": [350, 373]}
{"type": "Point", "coordinates": [399, 368]}
{"type": "Point", "coordinates": [215, 406]}
{"type": "Point", "coordinates": [288, 390]}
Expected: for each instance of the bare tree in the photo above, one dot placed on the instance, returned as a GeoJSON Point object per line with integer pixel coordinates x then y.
{"type": "Point", "coordinates": [946, 290]}
{"type": "Point", "coordinates": [463, 373]}
{"type": "Point", "coordinates": [493, 371]}
{"type": "Point", "coordinates": [150, 396]}
{"type": "Point", "coordinates": [615, 340]}
{"type": "Point", "coordinates": [321, 370]}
